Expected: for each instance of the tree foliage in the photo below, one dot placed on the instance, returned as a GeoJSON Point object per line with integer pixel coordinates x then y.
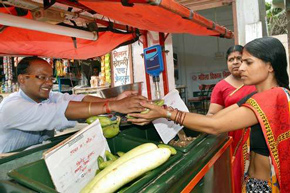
{"type": "Point", "coordinates": [276, 20]}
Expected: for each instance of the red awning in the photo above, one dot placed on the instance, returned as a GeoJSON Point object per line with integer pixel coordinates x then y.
{"type": "Point", "coordinates": [23, 42]}
{"type": "Point", "coordinates": [27, 42]}
{"type": "Point", "coordinates": [163, 16]}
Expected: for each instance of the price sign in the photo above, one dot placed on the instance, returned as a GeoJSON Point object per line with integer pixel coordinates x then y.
{"type": "Point", "coordinates": [73, 163]}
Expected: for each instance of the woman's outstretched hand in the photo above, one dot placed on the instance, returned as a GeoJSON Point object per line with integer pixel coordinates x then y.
{"type": "Point", "coordinates": [128, 104]}
{"type": "Point", "coordinates": [154, 112]}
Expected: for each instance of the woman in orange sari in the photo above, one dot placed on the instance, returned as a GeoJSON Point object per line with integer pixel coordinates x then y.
{"type": "Point", "coordinates": [226, 93]}
{"type": "Point", "coordinates": [265, 114]}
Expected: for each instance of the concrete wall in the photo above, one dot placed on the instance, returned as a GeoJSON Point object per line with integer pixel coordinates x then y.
{"type": "Point", "coordinates": [198, 53]}
{"type": "Point", "coordinates": [251, 20]}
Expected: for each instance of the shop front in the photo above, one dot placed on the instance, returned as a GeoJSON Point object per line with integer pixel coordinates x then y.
{"type": "Point", "coordinates": [204, 165]}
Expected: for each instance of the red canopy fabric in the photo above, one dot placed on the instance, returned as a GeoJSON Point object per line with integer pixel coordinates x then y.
{"type": "Point", "coordinates": [168, 16]}
{"type": "Point", "coordinates": [165, 16]}
{"type": "Point", "coordinates": [14, 41]}
{"type": "Point", "coordinates": [23, 42]}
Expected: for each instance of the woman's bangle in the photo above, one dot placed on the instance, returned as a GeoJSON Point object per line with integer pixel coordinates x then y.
{"type": "Point", "coordinates": [90, 113]}
{"type": "Point", "coordinates": [168, 115]}
{"type": "Point", "coordinates": [184, 115]}
{"type": "Point", "coordinates": [176, 114]}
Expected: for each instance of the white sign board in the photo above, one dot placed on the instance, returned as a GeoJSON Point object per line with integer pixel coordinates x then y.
{"type": "Point", "coordinates": [73, 162]}
{"type": "Point", "coordinates": [122, 66]}
{"type": "Point", "coordinates": [167, 130]}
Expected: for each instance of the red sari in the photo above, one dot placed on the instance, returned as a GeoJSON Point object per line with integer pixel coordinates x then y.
{"type": "Point", "coordinates": [272, 110]}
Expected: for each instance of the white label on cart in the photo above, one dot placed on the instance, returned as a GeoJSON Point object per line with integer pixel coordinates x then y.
{"type": "Point", "coordinates": [73, 162]}
{"type": "Point", "coordinates": [167, 130]}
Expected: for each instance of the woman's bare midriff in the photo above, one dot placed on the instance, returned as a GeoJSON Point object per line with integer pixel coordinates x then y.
{"type": "Point", "coordinates": [260, 167]}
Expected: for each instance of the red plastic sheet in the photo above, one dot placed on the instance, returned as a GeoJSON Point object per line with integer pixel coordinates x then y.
{"type": "Point", "coordinates": [168, 17]}
{"type": "Point", "coordinates": [16, 41]}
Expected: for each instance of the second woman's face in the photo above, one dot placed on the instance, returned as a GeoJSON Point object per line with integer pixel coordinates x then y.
{"type": "Point", "coordinates": [253, 70]}
{"type": "Point", "coordinates": [234, 62]}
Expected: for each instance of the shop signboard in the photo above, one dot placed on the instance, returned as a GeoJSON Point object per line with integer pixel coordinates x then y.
{"type": "Point", "coordinates": [122, 66]}
{"type": "Point", "coordinates": [207, 78]}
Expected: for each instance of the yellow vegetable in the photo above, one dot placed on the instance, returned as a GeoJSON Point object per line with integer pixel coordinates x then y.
{"type": "Point", "coordinates": [105, 164]}
{"type": "Point", "coordinates": [100, 160]}
{"type": "Point", "coordinates": [130, 170]}
{"type": "Point", "coordinates": [110, 156]}
{"type": "Point", "coordinates": [112, 130]}
{"type": "Point", "coordinates": [172, 149]}
{"type": "Point", "coordinates": [141, 149]}
{"type": "Point", "coordinates": [104, 120]}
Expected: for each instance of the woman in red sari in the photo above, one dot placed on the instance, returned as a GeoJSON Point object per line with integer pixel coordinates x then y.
{"type": "Point", "coordinates": [265, 114]}
{"type": "Point", "coordinates": [226, 93]}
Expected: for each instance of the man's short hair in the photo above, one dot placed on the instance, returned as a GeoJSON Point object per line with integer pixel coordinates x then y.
{"type": "Point", "coordinates": [25, 63]}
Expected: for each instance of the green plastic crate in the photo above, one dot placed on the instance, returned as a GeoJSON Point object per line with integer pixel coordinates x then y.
{"type": "Point", "coordinates": [36, 176]}
{"type": "Point", "coordinates": [149, 134]}
{"type": "Point", "coordinates": [11, 187]}
{"type": "Point", "coordinates": [24, 157]}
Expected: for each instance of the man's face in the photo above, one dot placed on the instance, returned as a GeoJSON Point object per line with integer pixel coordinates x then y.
{"type": "Point", "coordinates": [37, 83]}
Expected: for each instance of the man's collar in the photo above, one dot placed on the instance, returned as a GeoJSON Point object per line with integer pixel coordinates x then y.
{"type": "Point", "coordinates": [26, 97]}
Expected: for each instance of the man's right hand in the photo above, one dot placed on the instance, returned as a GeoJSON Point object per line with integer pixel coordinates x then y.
{"type": "Point", "coordinates": [128, 105]}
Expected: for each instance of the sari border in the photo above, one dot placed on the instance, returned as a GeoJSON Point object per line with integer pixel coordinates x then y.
{"type": "Point", "coordinates": [267, 132]}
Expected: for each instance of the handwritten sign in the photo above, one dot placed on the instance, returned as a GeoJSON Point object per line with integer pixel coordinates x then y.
{"type": "Point", "coordinates": [73, 162]}
{"type": "Point", "coordinates": [167, 130]}
{"type": "Point", "coordinates": [122, 66]}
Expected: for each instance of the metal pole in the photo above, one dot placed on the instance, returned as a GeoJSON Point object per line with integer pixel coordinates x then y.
{"type": "Point", "coordinates": [164, 73]}
{"type": "Point", "coordinates": [20, 22]}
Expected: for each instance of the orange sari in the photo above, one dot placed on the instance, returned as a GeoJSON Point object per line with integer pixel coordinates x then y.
{"type": "Point", "coordinates": [272, 110]}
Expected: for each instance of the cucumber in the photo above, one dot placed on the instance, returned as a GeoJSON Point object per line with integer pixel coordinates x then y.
{"type": "Point", "coordinates": [158, 102]}
{"type": "Point", "coordinates": [105, 164]}
{"type": "Point", "coordinates": [120, 153]}
{"type": "Point", "coordinates": [172, 149]}
{"type": "Point", "coordinates": [110, 156]}
{"type": "Point", "coordinates": [130, 154]}
{"type": "Point", "coordinates": [100, 160]}
{"type": "Point", "coordinates": [130, 170]}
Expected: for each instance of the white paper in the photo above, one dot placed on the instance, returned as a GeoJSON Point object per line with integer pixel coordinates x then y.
{"type": "Point", "coordinates": [167, 130]}
{"type": "Point", "coordinates": [74, 163]}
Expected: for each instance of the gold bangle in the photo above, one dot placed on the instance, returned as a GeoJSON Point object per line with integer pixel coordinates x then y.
{"type": "Point", "coordinates": [90, 114]}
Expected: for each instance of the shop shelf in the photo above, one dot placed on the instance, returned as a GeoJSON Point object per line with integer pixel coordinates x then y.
{"type": "Point", "coordinates": [36, 176]}
{"type": "Point", "coordinates": [149, 134]}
